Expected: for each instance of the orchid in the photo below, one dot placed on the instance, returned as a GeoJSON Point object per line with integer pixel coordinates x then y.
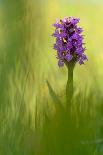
{"type": "Point", "coordinates": [69, 41]}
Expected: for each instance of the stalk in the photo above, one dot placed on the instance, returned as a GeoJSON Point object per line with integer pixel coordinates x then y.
{"type": "Point", "coordinates": [69, 86]}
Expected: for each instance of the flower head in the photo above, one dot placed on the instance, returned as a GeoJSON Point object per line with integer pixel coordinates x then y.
{"type": "Point", "coordinates": [69, 41]}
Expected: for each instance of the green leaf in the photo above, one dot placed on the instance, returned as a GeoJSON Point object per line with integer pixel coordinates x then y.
{"type": "Point", "coordinates": [53, 94]}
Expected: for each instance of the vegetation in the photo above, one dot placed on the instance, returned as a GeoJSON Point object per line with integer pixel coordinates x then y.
{"type": "Point", "coordinates": [33, 120]}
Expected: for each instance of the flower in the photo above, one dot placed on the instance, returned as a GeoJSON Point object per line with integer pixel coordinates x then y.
{"type": "Point", "coordinates": [69, 41]}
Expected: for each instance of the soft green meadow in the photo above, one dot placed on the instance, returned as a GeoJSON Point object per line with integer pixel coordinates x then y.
{"type": "Point", "coordinates": [33, 117]}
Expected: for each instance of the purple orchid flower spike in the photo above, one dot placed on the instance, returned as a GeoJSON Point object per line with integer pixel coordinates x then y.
{"type": "Point", "coordinates": [69, 41]}
{"type": "Point", "coordinates": [70, 48]}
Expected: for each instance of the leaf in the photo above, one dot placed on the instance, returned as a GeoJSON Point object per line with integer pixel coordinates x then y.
{"type": "Point", "coordinates": [53, 94]}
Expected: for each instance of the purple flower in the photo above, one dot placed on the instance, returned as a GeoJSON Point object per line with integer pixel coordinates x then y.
{"type": "Point", "coordinates": [69, 41]}
{"type": "Point", "coordinates": [60, 63]}
{"type": "Point", "coordinates": [68, 57]}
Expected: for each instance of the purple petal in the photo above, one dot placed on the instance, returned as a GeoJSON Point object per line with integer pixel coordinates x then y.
{"type": "Point", "coordinates": [68, 57]}
{"type": "Point", "coordinates": [81, 62]}
{"type": "Point", "coordinates": [60, 63]}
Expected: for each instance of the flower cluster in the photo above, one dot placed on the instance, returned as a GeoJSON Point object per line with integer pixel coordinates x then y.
{"type": "Point", "coordinates": [69, 41]}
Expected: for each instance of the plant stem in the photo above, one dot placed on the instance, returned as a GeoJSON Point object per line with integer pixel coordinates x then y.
{"type": "Point", "coordinates": [69, 86]}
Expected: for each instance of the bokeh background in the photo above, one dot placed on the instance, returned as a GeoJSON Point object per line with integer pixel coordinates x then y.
{"type": "Point", "coordinates": [27, 61]}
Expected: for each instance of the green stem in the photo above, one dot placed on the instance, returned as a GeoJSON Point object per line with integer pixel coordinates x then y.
{"type": "Point", "coordinates": [69, 86]}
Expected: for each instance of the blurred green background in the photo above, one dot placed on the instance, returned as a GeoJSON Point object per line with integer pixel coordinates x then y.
{"type": "Point", "coordinates": [27, 61]}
